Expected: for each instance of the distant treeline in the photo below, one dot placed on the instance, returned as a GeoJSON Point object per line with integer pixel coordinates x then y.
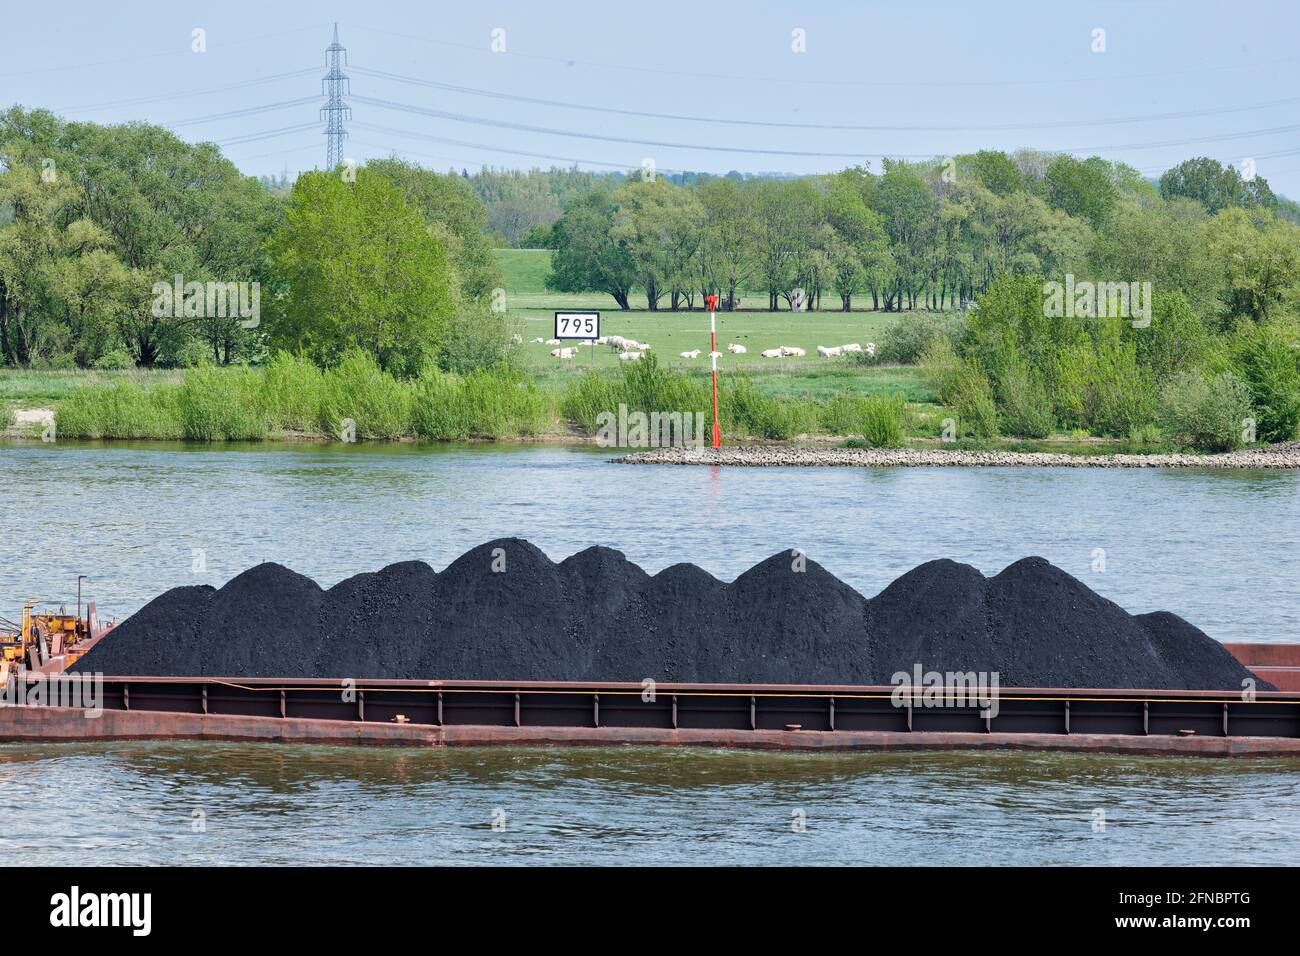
{"type": "Point", "coordinates": [522, 206]}
{"type": "Point", "coordinates": [931, 235]}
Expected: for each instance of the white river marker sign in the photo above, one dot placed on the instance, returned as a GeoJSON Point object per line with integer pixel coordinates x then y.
{"type": "Point", "coordinates": [577, 325]}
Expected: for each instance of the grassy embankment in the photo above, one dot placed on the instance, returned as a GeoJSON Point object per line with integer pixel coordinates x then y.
{"type": "Point", "coordinates": [292, 398]}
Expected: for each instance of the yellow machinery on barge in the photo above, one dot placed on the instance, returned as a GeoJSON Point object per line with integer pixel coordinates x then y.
{"type": "Point", "coordinates": [47, 640]}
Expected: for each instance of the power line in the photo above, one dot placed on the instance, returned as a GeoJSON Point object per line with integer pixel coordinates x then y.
{"type": "Point", "coordinates": [773, 124]}
{"type": "Point", "coordinates": [249, 111]}
{"type": "Point", "coordinates": [633, 167]}
{"type": "Point", "coordinates": [485, 121]}
{"type": "Point", "coordinates": [1215, 138]}
{"type": "Point", "coordinates": [135, 58]}
{"type": "Point", "coordinates": [690, 74]}
{"type": "Point", "coordinates": [527, 128]}
{"type": "Point", "coordinates": [763, 151]}
{"type": "Point", "coordinates": [266, 134]}
{"type": "Point", "coordinates": [180, 96]}
{"type": "Point", "coordinates": [336, 85]}
{"type": "Point", "coordinates": [280, 152]}
{"type": "Point", "coordinates": [498, 149]}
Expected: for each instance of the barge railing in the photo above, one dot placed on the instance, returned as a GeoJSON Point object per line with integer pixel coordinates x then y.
{"type": "Point", "coordinates": [729, 707]}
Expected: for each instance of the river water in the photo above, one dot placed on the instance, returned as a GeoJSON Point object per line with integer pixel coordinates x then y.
{"type": "Point", "coordinates": [1219, 548]}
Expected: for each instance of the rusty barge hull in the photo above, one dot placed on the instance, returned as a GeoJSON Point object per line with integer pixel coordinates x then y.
{"type": "Point", "coordinates": [774, 717]}
{"type": "Point", "coordinates": [64, 725]}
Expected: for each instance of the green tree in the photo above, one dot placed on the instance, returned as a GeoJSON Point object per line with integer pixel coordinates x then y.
{"type": "Point", "coordinates": [787, 214]}
{"type": "Point", "coordinates": [1012, 325]}
{"type": "Point", "coordinates": [172, 208]}
{"type": "Point", "coordinates": [661, 227]}
{"type": "Point", "coordinates": [1019, 234]}
{"type": "Point", "coordinates": [1269, 364]}
{"type": "Point", "coordinates": [30, 246]}
{"type": "Point", "coordinates": [995, 171]}
{"type": "Point", "coordinates": [458, 217]}
{"type": "Point", "coordinates": [726, 259]}
{"type": "Point", "coordinates": [1260, 258]}
{"type": "Point", "coordinates": [1163, 243]}
{"type": "Point", "coordinates": [516, 201]}
{"type": "Point", "coordinates": [166, 207]}
{"type": "Point", "coordinates": [1215, 186]}
{"type": "Point", "coordinates": [537, 236]}
{"type": "Point", "coordinates": [1084, 188]}
{"type": "Point", "coordinates": [858, 242]}
{"type": "Point", "coordinates": [61, 286]}
{"type": "Point", "coordinates": [361, 270]}
{"type": "Point", "coordinates": [1175, 340]}
{"type": "Point", "coordinates": [587, 257]}
{"type": "Point", "coordinates": [908, 209]}
{"type": "Point", "coordinates": [1205, 412]}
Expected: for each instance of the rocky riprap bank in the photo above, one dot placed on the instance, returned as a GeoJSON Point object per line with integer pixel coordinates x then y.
{"type": "Point", "coordinates": [505, 611]}
{"type": "Point", "coordinates": [780, 456]}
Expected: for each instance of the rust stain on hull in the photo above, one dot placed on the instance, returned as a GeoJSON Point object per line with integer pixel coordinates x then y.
{"type": "Point", "coordinates": [43, 724]}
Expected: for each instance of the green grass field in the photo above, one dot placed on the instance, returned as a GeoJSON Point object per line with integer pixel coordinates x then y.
{"type": "Point", "coordinates": [29, 388]}
{"type": "Point", "coordinates": [24, 388]}
{"type": "Point", "coordinates": [525, 269]}
{"type": "Point", "coordinates": [671, 333]}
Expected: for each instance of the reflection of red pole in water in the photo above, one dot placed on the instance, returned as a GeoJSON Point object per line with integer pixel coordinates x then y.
{"type": "Point", "coordinates": [712, 300]}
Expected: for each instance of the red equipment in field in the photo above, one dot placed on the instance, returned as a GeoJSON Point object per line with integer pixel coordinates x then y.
{"type": "Point", "coordinates": [712, 301]}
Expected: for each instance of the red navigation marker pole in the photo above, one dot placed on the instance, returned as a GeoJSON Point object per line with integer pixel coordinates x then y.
{"type": "Point", "coordinates": [712, 300]}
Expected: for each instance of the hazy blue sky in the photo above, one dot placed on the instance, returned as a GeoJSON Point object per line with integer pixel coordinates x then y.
{"type": "Point", "coordinates": [920, 64]}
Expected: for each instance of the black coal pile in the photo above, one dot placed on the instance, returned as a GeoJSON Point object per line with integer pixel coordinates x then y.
{"type": "Point", "coordinates": [505, 611]}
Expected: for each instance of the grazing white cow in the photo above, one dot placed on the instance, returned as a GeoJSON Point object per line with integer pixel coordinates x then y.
{"type": "Point", "coordinates": [792, 350]}
{"type": "Point", "coordinates": [630, 356]}
{"type": "Point", "coordinates": [737, 348]}
{"type": "Point", "coordinates": [772, 353]}
{"type": "Point", "coordinates": [615, 341]}
{"type": "Point", "coordinates": [692, 354]}
{"type": "Point", "coordinates": [871, 348]}
{"type": "Point", "coordinates": [516, 339]}
{"type": "Point", "coordinates": [831, 352]}
{"type": "Point", "coordinates": [851, 347]}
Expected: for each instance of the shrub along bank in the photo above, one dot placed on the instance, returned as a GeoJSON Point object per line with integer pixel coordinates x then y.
{"type": "Point", "coordinates": [294, 397]}
{"type": "Point", "coordinates": [1016, 371]}
{"type": "Point", "coordinates": [356, 399]}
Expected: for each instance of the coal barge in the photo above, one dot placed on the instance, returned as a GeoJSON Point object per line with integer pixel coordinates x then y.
{"type": "Point", "coordinates": [41, 701]}
{"type": "Point", "coordinates": [767, 717]}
